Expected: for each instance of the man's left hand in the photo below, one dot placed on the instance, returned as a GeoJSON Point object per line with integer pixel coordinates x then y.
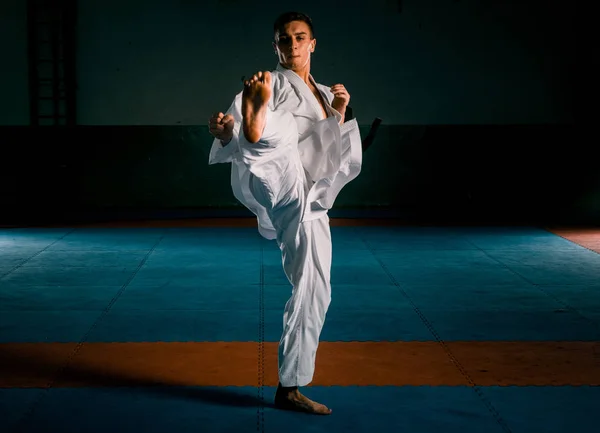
{"type": "Point", "coordinates": [341, 98]}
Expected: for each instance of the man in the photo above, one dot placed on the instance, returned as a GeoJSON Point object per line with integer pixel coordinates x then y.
{"type": "Point", "coordinates": [291, 153]}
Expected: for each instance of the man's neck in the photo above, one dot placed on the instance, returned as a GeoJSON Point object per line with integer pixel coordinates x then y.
{"type": "Point", "coordinates": [303, 73]}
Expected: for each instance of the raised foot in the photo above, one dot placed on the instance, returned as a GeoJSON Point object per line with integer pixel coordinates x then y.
{"type": "Point", "coordinates": [255, 98]}
{"type": "Point", "coordinates": [295, 401]}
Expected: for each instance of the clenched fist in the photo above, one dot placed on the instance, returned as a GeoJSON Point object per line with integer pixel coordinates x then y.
{"type": "Point", "coordinates": [221, 126]}
{"type": "Point", "coordinates": [341, 98]}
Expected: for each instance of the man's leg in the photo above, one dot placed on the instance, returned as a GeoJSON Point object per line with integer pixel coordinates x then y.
{"type": "Point", "coordinates": [307, 263]}
{"type": "Point", "coordinates": [279, 185]}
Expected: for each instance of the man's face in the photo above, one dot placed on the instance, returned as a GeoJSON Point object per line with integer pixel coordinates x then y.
{"type": "Point", "coordinates": [294, 45]}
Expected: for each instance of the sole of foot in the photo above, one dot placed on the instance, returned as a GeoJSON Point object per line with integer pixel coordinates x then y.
{"type": "Point", "coordinates": [255, 98]}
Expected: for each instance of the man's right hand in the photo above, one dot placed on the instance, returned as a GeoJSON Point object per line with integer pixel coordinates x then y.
{"type": "Point", "coordinates": [221, 126]}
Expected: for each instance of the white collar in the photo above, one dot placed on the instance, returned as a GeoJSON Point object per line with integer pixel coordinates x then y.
{"type": "Point", "coordinates": [304, 89]}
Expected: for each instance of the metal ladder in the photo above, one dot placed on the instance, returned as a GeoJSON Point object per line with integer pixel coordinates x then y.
{"type": "Point", "coordinates": [51, 45]}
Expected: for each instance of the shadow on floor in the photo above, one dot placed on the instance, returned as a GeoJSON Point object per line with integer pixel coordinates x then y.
{"type": "Point", "coordinates": [19, 371]}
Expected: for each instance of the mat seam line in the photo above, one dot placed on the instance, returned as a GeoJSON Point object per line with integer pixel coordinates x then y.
{"type": "Point", "coordinates": [30, 410]}
{"type": "Point", "coordinates": [594, 324]}
{"type": "Point", "coordinates": [494, 412]}
{"type": "Point", "coordinates": [65, 366]}
{"type": "Point", "coordinates": [570, 240]}
{"type": "Point", "coordinates": [260, 415]}
{"type": "Point", "coordinates": [36, 254]}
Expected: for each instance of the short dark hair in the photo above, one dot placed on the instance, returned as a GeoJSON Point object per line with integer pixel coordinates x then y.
{"type": "Point", "coordinates": [288, 17]}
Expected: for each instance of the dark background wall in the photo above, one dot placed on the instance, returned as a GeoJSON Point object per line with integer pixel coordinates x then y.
{"type": "Point", "coordinates": [14, 103]}
{"type": "Point", "coordinates": [165, 62]}
{"type": "Point", "coordinates": [477, 100]}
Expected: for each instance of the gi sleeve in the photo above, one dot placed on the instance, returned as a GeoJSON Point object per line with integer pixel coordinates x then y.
{"type": "Point", "coordinates": [218, 152]}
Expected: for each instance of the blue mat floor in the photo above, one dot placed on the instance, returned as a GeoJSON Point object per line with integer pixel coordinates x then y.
{"type": "Point", "coordinates": [390, 284]}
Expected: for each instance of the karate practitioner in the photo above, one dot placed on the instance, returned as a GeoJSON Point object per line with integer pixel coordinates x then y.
{"type": "Point", "coordinates": [291, 153]}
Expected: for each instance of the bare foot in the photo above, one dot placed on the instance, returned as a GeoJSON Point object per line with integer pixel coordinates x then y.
{"type": "Point", "coordinates": [291, 399]}
{"type": "Point", "coordinates": [256, 95]}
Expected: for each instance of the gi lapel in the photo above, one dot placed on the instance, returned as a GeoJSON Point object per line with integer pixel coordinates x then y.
{"type": "Point", "coordinates": [303, 88]}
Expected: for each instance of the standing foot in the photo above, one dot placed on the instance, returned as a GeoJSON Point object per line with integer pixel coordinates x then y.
{"type": "Point", "coordinates": [292, 399]}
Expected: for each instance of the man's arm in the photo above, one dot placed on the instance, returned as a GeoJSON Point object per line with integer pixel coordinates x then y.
{"type": "Point", "coordinates": [223, 151]}
{"type": "Point", "coordinates": [225, 146]}
{"type": "Point", "coordinates": [338, 105]}
{"type": "Point", "coordinates": [340, 101]}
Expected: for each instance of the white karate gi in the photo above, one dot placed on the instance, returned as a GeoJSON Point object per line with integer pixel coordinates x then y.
{"type": "Point", "coordinates": [289, 179]}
